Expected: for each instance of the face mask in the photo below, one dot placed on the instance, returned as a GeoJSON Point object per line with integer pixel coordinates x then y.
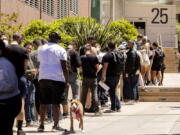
{"type": "Point", "coordinates": [6, 42]}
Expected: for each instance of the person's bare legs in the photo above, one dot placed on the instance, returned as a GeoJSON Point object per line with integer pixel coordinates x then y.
{"type": "Point", "coordinates": [65, 109]}
{"type": "Point", "coordinates": [148, 74]}
{"type": "Point", "coordinates": [154, 73]}
{"type": "Point", "coordinates": [56, 114]}
{"type": "Point", "coordinates": [43, 108]}
{"type": "Point", "coordinates": [143, 71]}
{"type": "Point", "coordinates": [20, 118]}
{"type": "Point", "coordinates": [159, 76]}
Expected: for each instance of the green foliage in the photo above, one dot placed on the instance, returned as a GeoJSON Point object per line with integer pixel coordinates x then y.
{"type": "Point", "coordinates": [36, 29]}
{"type": "Point", "coordinates": [124, 28]}
{"type": "Point", "coordinates": [80, 28]}
{"type": "Point", "coordinates": [178, 30]}
{"type": "Point", "coordinates": [9, 24]}
{"type": "Point", "coordinates": [40, 29]}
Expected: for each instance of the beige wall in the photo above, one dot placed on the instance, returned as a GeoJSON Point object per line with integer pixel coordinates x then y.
{"type": "Point", "coordinates": [27, 13]}
{"type": "Point", "coordinates": [143, 13]}
{"type": "Point", "coordinates": [84, 8]}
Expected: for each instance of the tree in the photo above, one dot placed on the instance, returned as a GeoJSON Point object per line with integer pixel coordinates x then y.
{"type": "Point", "coordinates": [9, 24]}
{"type": "Point", "coordinates": [125, 28]}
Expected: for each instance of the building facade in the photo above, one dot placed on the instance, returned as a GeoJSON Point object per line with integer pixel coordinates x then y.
{"type": "Point", "coordinates": [47, 10]}
{"type": "Point", "coordinates": [153, 18]}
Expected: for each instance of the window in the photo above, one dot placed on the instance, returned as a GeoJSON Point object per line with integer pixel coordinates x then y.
{"type": "Point", "coordinates": [62, 9]}
{"type": "Point", "coordinates": [74, 6]}
{"type": "Point", "coordinates": [48, 7]}
{"type": "Point", "coordinates": [32, 3]}
{"type": "Point", "coordinates": [152, 1]}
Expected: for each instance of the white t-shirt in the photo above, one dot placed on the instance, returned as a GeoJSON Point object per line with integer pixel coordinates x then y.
{"type": "Point", "coordinates": [49, 56]}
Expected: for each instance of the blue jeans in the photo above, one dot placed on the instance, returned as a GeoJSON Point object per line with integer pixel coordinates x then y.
{"type": "Point", "coordinates": [112, 82]}
{"type": "Point", "coordinates": [90, 83]}
{"type": "Point", "coordinates": [130, 88]}
{"type": "Point", "coordinates": [30, 102]}
{"type": "Point", "coordinates": [73, 81]}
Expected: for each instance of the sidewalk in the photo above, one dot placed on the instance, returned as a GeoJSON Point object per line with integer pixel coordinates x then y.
{"type": "Point", "coordinates": [146, 118]}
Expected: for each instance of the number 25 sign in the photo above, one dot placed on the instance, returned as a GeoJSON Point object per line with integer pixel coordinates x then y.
{"type": "Point", "coordinates": [161, 16]}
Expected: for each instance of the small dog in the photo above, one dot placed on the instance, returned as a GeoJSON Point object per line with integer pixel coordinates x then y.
{"type": "Point", "coordinates": [76, 112]}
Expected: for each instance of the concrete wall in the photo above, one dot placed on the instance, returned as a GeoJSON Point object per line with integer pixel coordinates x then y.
{"type": "Point", "coordinates": [143, 13]}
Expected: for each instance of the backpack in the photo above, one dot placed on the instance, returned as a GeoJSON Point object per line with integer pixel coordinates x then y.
{"type": "Point", "coordinates": [119, 59]}
{"type": "Point", "coordinates": [159, 56]}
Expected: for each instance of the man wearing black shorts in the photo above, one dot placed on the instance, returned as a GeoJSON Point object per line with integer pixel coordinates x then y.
{"type": "Point", "coordinates": [53, 76]}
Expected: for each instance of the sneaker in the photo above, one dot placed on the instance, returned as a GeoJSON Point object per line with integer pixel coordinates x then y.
{"type": "Point", "coordinates": [41, 128]}
{"type": "Point", "coordinates": [110, 111]}
{"type": "Point", "coordinates": [99, 113]}
{"type": "Point", "coordinates": [57, 128]}
{"type": "Point", "coordinates": [28, 124]}
{"type": "Point", "coordinates": [20, 132]}
{"type": "Point", "coordinates": [65, 115]}
{"type": "Point", "coordinates": [131, 102]}
{"type": "Point", "coordinates": [118, 110]}
{"type": "Point", "coordinates": [145, 90]}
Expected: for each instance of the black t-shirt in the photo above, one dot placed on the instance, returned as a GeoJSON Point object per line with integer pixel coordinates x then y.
{"type": "Point", "coordinates": [16, 54]}
{"type": "Point", "coordinates": [132, 62]}
{"type": "Point", "coordinates": [89, 63]}
{"type": "Point", "coordinates": [74, 59]}
{"type": "Point", "coordinates": [109, 58]}
{"type": "Point", "coordinates": [158, 60]}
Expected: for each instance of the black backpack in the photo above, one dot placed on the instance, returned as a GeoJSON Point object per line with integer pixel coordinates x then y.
{"type": "Point", "coordinates": [159, 56]}
{"type": "Point", "coordinates": [119, 59]}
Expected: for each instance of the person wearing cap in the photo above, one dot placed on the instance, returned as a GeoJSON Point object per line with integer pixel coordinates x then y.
{"type": "Point", "coordinates": [132, 67]}
{"type": "Point", "coordinates": [53, 78]}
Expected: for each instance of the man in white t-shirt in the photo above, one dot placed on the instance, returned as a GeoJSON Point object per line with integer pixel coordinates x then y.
{"type": "Point", "coordinates": [53, 76]}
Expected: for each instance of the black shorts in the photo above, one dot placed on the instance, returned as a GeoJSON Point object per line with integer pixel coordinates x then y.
{"type": "Point", "coordinates": [156, 67]}
{"type": "Point", "coordinates": [52, 92]}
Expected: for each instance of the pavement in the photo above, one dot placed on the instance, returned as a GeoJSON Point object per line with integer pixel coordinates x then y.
{"type": "Point", "coordinates": [144, 118]}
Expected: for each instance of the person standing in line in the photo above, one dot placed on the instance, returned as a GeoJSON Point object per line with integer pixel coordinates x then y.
{"type": "Point", "coordinates": [37, 43]}
{"type": "Point", "coordinates": [91, 41]}
{"type": "Point", "coordinates": [53, 79]}
{"type": "Point", "coordinates": [10, 98]}
{"type": "Point", "coordinates": [158, 58]}
{"type": "Point", "coordinates": [138, 42]}
{"type": "Point", "coordinates": [90, 66]}
{"type": "Point", "coordinates": [131, 77]}
{"type": "Point", "coordinates": [16, 50]}
{"type": "Point", "coordinates": [111, 75]}
{"type": "Point", "coordinates": [30, 88]}
{"type": "Point", "coordinates": [74, 62]}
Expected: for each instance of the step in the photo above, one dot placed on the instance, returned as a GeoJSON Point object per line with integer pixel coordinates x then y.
{"type": "Point", "coordinates": [162, 89]}
{"type": "Point", "coordinates": [171, 71]}
{"type": "Point", "coordinates": [174, 94]}
{"type": "Point", "coordinates": [159, 99]}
